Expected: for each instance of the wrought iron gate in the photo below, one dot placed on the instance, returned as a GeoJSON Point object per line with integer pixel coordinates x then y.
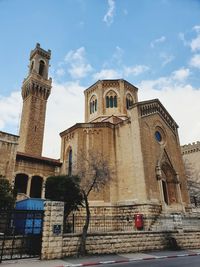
{"type": "Point", "coordinates": [20, 234]}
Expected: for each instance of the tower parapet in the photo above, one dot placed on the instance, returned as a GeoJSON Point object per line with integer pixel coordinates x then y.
{"type": "Point", "coordinates": [190, 148]}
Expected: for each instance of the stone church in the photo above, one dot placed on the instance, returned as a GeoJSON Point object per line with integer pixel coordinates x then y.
{"type": "Point", "coordinates": [140, 139]}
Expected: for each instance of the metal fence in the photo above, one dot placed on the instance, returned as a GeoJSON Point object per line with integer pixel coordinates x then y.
{"type": "Point", "coordinates": [119, 223]}
{"type": "Point", "coordinates": [20, 234]}
{"type": "Point", "coordinates": [100, 224]}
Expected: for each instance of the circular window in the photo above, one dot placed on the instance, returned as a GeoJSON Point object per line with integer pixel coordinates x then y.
{"type": "Point", "coordinates": [158, 136]}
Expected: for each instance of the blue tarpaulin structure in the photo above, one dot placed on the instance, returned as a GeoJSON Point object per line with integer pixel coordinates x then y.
{"type": "Point", "coordinates": [29, 216]}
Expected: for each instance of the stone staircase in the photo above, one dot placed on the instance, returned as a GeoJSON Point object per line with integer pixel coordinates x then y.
{"type": "Point", "coordinates": [176, 221]}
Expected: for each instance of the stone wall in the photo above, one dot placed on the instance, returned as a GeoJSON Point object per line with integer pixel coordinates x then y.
{"type": "Point", "coordinates": [55, 244]}
{"type": "Point", "coordinates": [11, 245]}
{"type": "Point", "coordinates": [114, 218]}
{"type": "Point", "coordinates": [8, 148]}
{"type": "Point", "coordinates": [191, 158]}
{"type": "Point", "coordinates": [126, 242]}
{"type": "Point", "coordinates": [52, 236]}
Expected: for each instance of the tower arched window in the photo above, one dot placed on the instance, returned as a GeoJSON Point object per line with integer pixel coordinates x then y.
{"type": "Point", "coordinates": [129, 101]}
{"type": "Point", "coordinates": [70, 162]}
{"type": "Point", "coordinates": [93, 104]}
{"type": "Point", "coordinates": [111, 99]}
{"type": "Point", "coordinates": [107, 101]}
{"type": "Point", "coordinates": [41, 67]}
{"type": "Point", "coordinates": [115, 101]}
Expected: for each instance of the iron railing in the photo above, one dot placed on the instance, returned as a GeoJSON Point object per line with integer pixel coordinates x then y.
{"type": "Point", "coordinates": [20, 234]}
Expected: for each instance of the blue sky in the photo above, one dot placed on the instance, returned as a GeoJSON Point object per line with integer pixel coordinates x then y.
{"type": "Point", "coordinates": [154, 44]}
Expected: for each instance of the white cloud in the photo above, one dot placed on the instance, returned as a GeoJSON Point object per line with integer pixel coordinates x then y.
{"type": "Point", "coordinates": [166, 59]}
{"type": "Point", "coordinates": [196, 28]}
{"type": "Point", "coordinates": [134, 70]}
{"type": "Point", "coordinates": [181, 101]}
{"type": "Point", "coordinates": [78, 65]}
{"type": "Point", "coordinates": [65, 108]}
{"type": "Point", "coordinates": [60, 72]}
{"type": "Point", "coordinates": [108, 18]}
{"type": "Point", "coordinates": [10, 109]}
{"type": "Point", "coordinates": [182, 38]}
{"type": "Point", "coordinates": [106, 74]}
{"type": "Point", "coordinates": [181, 74]}
{"type": "Point", "coordinates": [162, 39]}
{"type": "Point", "coordinates": [195, 44]}
{"type": "Point", "coordinates": [125, 71]}
{"type": "Point", "coordinates": [118, 54]}
{"type": "Point", "coordinates": [195, 61]}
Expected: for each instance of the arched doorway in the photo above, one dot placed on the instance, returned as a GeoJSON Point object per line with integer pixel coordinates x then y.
{"type": "Point", "coordinates": [169, 184]}
{"type": "Point", "coordinates": [21, 181]}
{"type": "Point", "coordinates": [36, 187]}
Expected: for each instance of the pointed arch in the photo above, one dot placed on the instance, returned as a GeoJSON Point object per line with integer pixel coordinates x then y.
{"type": "Point", "coordinates": [111, 99]}
{"type": "Point", "coordinates": [93, 104]}
{"type": "Point", "coordinates": [129, 100]}
{"type": "Point", "coordinates": [41, 67]}
{"type": "Point", "coordinates": [169, 184]}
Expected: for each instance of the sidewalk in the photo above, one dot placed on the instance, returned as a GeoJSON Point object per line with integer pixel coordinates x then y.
{"type": "Point", "coordinates": [100, 259]}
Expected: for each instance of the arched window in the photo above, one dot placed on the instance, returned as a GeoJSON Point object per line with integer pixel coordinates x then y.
{"type": "Point", "coordinates": [70, 162]}
{"type": "Point", "coordinates": [129, 101]}
{"type": "Point", "coordinates": [111, 100]}
{"type": "Point", "coordinates": [41, 68]}
{"type": "Point", "coordinates": [107, 101]}
{"type": "Point", "coordinates": [115, 101]}
{"type": "Point", "coordinates": [36, 187]}
{"type": "Point", "coordinates": [93, 104]}
{"type": "Point", "coordinates": [21, 181]}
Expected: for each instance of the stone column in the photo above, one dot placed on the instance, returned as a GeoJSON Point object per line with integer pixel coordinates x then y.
{"type": "Point", "coordinates": [43, 188]}
{"type": "Point", "coordinates": [52, 235]}
{"type": "Point", "coordinates": [28, 189]}
{"type": "Point", "coordinates": [159, 179]}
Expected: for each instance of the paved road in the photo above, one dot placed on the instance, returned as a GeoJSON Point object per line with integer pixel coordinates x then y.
{"type": "Point", "coordinates": [151, 259]}
{"type": "Point", "coordinates": [193, 261]}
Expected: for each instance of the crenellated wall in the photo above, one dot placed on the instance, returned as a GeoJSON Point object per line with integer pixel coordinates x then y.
{"type": "Point", "coordinates": [190, 148]}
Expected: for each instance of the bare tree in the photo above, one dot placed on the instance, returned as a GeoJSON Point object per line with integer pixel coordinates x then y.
{"type": "Point", "coordinates": [94, 172]}
{"type": "Point", "coordinates": [193, 182]}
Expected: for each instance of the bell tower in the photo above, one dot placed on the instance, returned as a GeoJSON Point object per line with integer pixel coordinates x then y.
{"type": "Point", "coordinates": [36, 89]}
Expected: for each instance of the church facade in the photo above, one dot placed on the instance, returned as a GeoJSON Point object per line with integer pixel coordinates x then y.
{"type": "Point", "coordinates": [139, 139]}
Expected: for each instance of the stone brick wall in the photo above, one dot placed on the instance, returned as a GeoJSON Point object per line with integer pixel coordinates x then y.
{"type": "Point", "coordinates": [125, 242]}
{"type": "Point", "coordinates": [11, 245]}
{"type": "Point", "coordinates": [8, 150]}
{"type": "Point", "coordinates": [191, 158]}
{"type": "Point", "coordinates": [52, 237]}
{"type": "Point", "coordinates": [55, 244]}
{"type": "Point", "coordinates": [114, 218]}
